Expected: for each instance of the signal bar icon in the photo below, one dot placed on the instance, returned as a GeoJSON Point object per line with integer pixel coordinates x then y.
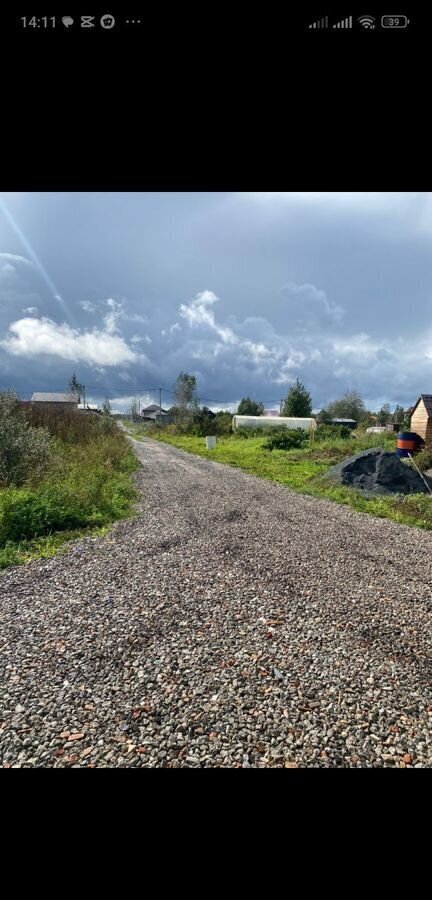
{"type": "Point", "coordinates": [320, 23]}
{"type": "Point", "coordinates": [344, 23]}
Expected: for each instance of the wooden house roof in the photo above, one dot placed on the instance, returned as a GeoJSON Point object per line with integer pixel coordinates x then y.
{"type": "Point", "coordinates": [427, 400]}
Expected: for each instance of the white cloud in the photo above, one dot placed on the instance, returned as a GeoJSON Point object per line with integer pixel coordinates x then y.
{"type": "Point", "coordinates": [175, 327]}
{"type": "Point", "coordinates": [124, 376]}
{"type": "Point", "coordinates": [30, 337]}
{"type": "Point", "coordinates": [198, 312]}
{"type": "Point", "coordinates": [138, 339]}
{"type": "Point", "coordinates": [14, 258]}
{"type": "Point", "coordinates": [136, 317]}
{"type": "Point", "coordinates": [30, 310]}
{"type": "Point", "coordinates": [10, 265]}
{"type": "Point", "coordinates": [111, 318]}
{"type": "Point", "coordinates": [87, 306]}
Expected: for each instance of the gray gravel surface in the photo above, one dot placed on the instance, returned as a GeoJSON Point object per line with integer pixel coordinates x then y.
{"type": "Point", "coordinates": [232, 623]}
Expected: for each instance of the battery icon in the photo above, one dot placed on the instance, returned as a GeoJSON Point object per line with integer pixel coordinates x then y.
{"type": "Point", "coordinates": [394, 22]}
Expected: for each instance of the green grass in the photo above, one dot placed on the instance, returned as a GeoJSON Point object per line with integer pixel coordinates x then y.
{"type": "Point", "coordinates": [87, 487]}
{"type": "Point", "coordinates": [304, 470]}
{"type": "Point", "coordinates": [22, 552]}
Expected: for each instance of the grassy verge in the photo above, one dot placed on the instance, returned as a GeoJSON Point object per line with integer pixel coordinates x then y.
{"type": "Point", "coordinates": [304, 470]}
{"type": "Point", "coordinates": [87, 487]}
{"type": "Point", "coordinates": [22, 552]}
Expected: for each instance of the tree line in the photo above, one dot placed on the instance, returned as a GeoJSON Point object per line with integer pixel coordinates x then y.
{"type": "Point", "coordinates": [296, 404]}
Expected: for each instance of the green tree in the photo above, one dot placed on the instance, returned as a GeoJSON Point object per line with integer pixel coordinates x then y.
{"type": "Point", "coordinates": [248, 407]}
{"type": "Point", "coordinates": [384, 415]}
{"type": "Point", "coordinates": [134, 411]}
{"type": "Point", "coordinates": [202, 421]}
{"type": "Point", "coordinates": [186, 401]}
{"type": "Point", "coordinates": [298, 402]}
{"type": "Point", "coordinates": [223, 422]}
{"type": "Point", "coordinates": [185, 391]}
{"type": "Point", "coordinates": [350, 406]}
{"type": "Point", "coordinates": [398, 416]}
{"type": "Point", "coordinates": [106, 407]}
{"type": "Point", "coordinates": [323, 417]}
{"type": "Point", "coordinates": [76, 387]}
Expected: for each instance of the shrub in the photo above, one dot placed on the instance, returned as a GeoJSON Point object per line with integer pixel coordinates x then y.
{"type": "Point", "coordinates": [288, 439]}
{"type": "Point", "coordinates": [324, 432]}
{"type": "Point", "coordinates": [26, 513]}
{"type": "Point", "coordinates": [423, 460]}
{"type": "Point", "coordinates": [69, 425]}
{"type": "Point", "coordinates": [223, 423]}
{"type": "Point", "coordinates": [25, 452]}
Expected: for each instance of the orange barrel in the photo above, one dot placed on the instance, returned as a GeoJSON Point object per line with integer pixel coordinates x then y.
{"type": "Point", "coordinates": [407, 442]}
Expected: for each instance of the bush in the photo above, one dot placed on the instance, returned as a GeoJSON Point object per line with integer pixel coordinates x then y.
{"type": "Point", "coordinates": [324, 432]}
{"type": "Point", "coordinates": [423, 460]}
{"type": "Point", "coordinates": [71, 426]}
{"type": "Point", "coordinates": [223, 423]}
{"type": "Point", "coordinates": [25, 452]}
{"type": "Point", "coordinates": [28, 513]}
{"type": "Point", "coordinates": [88, 481]}
{"type": "Point", "coordinates": [288, 439]}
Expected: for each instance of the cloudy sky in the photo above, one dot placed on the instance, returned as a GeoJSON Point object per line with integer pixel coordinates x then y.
{"type": "Point", "coordinates": [246, 290]}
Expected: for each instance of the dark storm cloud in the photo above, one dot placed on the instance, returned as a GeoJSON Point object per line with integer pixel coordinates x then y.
{"type": "Point", "coordinates": [249, 291]}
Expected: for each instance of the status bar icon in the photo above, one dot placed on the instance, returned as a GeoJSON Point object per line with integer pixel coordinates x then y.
{"type": "Point", "coordinates": [320, 23]}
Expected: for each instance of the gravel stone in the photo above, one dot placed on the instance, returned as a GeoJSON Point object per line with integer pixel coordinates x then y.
{"type": "Point", "coordinates": [231, 623]}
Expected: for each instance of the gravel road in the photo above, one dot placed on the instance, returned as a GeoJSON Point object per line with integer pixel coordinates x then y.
{"type": "Point", "coordinates": [231, 623]}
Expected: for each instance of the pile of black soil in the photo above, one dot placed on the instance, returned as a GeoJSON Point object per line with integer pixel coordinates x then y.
{"type": "Point", "coordinates": [377, 471]}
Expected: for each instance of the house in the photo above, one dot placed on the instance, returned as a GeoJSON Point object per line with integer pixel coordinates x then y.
{"type": "Point", "coordinates": [421, 418]}
{"type": "Point", "coordinates": [155, 413]}
{"type": "Point", "coordinates": [271, 412]}
{"type": "Point", "coordinates": [55, 400]}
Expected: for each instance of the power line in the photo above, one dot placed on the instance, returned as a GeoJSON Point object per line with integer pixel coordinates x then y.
{"type": "Point", "coordinates": [132, 390]}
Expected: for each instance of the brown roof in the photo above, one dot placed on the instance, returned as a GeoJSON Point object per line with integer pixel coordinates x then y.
{"type": "Point", "coordinates": [427, 400]}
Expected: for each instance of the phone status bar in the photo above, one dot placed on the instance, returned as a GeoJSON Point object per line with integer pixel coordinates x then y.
{"type": "Point", "coordinates": [105, 22]}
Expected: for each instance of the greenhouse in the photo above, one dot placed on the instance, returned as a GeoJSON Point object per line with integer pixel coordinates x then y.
{"type": "Point", "coordinates": [272, 422]}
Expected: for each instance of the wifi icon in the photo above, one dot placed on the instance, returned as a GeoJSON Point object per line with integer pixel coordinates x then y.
{"type": "Point", "coordinates": [366, 21]}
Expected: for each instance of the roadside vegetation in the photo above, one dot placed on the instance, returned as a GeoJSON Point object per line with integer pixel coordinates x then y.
{"type": "Point", "coordinates": [62, 474]}
{"type": "Point", "coordinates": [303, 468]}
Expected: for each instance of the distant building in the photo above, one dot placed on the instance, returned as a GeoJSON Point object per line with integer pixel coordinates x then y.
{"type": "Point", "coordinates": [56, 401]}
{"type": "Point", "coordinates": [271, 412]}
{"type": "Point", "coordinates": [155, 413]}
{"type": "Point", "coordinates": [349, 423]}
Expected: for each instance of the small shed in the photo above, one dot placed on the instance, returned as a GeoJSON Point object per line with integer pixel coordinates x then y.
{"type": "Point", "coordinates": [348, 423]}
{"type": "Point", "coordinates": [421, 418]}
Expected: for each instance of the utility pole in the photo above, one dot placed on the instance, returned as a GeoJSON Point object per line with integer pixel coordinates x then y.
{"type": "Point", "coordinates": [84, 395]}
{"type": "Point", "coordinates": [160, 406]}
{"type": "Point", "coordinates": [280, 408]}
